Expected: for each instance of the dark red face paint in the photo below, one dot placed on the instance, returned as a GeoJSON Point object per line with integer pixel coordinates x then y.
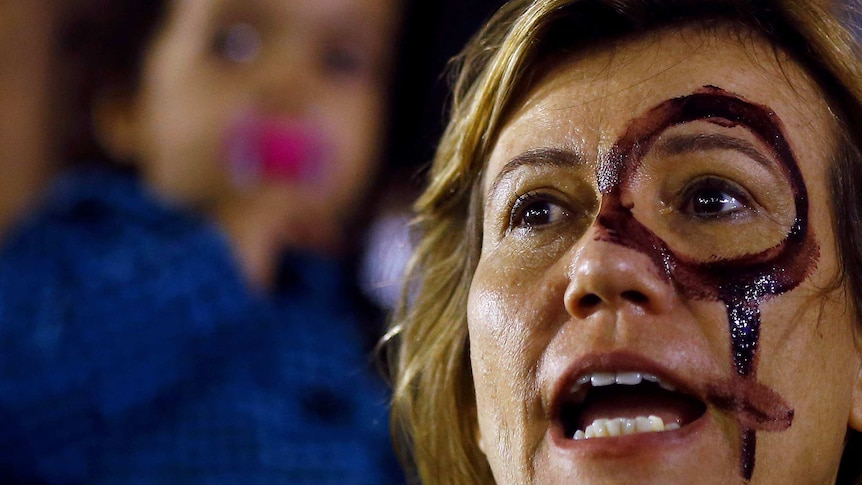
{"type": "Point", "coordinates": [741, 283]}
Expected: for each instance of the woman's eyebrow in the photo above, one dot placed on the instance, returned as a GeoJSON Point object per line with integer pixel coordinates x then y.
{"type": "Point", "coordinates": [685, 143]}
{"type": "Point", "coordinates": [549, 157]}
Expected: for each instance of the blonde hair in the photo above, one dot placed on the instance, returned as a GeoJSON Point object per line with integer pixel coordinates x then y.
{"type": "Point", "coordinates": [433, 412]}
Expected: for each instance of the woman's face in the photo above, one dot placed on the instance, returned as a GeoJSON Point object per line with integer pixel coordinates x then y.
{"type": "Point", "coordinates": [652, 302]}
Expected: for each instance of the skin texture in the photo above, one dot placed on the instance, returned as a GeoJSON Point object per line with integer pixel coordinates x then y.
{"type": "Point", "coordinates": [556, 293]}
{"type": "Point", "coordinates": [321, 64]}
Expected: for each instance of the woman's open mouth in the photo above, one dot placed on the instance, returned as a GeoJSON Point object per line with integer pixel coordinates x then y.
{"type": "Point", "coordinates": [614, 404]}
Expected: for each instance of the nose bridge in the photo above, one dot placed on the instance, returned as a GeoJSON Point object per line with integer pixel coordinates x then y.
{"type": "Point", "coordinates": [286, 77]}
{"type": "Point", "coordinates": [607, 275]}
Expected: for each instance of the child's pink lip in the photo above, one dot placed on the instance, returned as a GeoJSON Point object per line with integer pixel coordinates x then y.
{"type": "Point", "coordinates": [292, 154]}
{"type": "Point", "coordinates": [268, 149]}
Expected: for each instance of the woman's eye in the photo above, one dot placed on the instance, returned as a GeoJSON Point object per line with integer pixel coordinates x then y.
{"type": "Point", "coordinates": [531, 212]}
{"type": "Point", "coordinates": [713, 199]}
{"type": "Point", "coordinates": [239, 42]}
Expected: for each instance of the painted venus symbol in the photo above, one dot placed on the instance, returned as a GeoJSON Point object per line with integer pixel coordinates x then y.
{"type": "Point", "coordinates": [741, 281]}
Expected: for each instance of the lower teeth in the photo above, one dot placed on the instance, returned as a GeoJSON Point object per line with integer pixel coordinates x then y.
{"type": "Point", "coordinates": [608, 428]}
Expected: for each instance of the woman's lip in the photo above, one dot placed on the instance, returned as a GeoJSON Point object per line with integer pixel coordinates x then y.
{"type": "Point", "coordinates": [754, 405]}
{"type": "Point", "coordinates": [614, 367]}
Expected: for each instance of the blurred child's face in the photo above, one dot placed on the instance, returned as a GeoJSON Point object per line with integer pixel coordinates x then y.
{"type": "Point", "coordinates": [237, 95]}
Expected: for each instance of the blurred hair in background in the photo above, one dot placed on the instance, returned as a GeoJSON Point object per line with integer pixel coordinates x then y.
{"type": "Point", "coordinates": [435, 32]}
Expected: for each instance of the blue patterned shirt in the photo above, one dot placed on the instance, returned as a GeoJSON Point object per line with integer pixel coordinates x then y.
{"type": "Point", "coordinates": [132, 352]}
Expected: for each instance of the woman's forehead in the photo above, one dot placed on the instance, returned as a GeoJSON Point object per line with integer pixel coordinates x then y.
{"type": "Point", "coordinates": [584, 101]}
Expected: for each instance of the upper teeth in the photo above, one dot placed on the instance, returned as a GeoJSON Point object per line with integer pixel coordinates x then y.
{"type": "Point", "coordinates": [598, 379]}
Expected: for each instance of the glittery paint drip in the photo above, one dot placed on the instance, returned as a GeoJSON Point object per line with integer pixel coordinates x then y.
{"type": "Point", "coordinates": [741, 283]}
{"type": "Point", "coordinates": [749, 440]}
{"type": "Point", "coordinates": [743, 315]}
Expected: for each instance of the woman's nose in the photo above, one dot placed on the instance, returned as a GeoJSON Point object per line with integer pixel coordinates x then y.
{"type": "Point", "coordinates": [609, 276]}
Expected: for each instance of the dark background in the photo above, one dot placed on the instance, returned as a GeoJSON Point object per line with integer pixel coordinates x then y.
{"type": "Point", "coordinates": [435, 30]}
